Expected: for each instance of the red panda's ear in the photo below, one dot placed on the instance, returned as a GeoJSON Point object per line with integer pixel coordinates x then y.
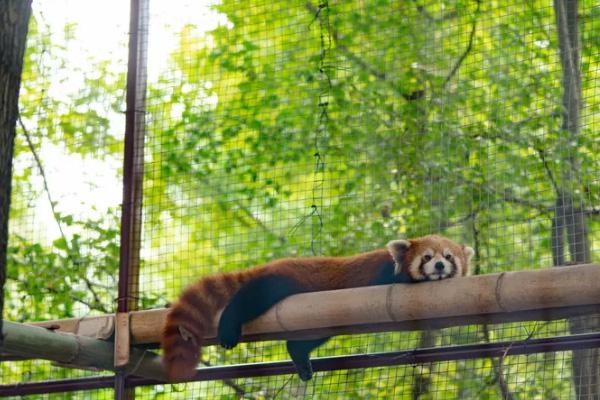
{"type": "Point", "coordinates": [398, 249]}
{"type": "Point", "coordinates": [469, 252]}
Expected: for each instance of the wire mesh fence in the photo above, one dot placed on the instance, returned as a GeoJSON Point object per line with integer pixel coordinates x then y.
{"type": "Point", "coordinates": [277, 128]}
{"type": "Point", "coordinates": [63, 245]}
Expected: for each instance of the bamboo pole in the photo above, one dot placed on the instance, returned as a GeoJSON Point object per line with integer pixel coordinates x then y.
{"type": "Point", "coordinates": [509, 296]}
{"type": "Point", "coordinates": [79, 351]}
{"type": "Point", "coordinates": [544, 294]}
{"type": "Point", "coordinates": [97, 327]}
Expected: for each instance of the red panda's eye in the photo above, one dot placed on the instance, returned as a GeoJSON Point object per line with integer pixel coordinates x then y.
{"type": "Point", "coordinates": [426, 257]}
{"type": "Point", "coordinates": [449, 257]}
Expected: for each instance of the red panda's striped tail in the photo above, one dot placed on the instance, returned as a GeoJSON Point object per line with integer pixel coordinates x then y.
{"type": "Point", "coordinates": [191, 317]}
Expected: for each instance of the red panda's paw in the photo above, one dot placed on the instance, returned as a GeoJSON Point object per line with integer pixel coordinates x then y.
{"type": "Point", "coordinates": [299, 351]}
{"type": "Point", "coordinates": [305, 371]}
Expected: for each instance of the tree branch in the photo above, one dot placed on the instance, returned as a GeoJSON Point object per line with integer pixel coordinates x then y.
{"type": "Point", "coordinates": [464, 55]}
{"type": "Point", "coordinates": [422, 380]}
{"type": "Point", "coordinates": [89, 285]}
{"type": "Point", "coordinates": [380, 75]}
{"type": "Point", "coordinates": [445, 17]}
{"type": "Point", "coordinates": [498, 364]}
{"type": "Point", "coordinates": [542, 155]}
{"type": "Point", "coordinates": [345, 50]}
{"type": "Point", "coordinates": [258, 221]}
{"type": "Point", "coordinates": [98, 306]}
{"type": "Point", "coordinates": [248, 213]}
{"type": "Point", "coordinates": [42, 173]}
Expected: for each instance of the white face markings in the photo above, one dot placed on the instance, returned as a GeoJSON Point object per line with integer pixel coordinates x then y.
{"type": "Point", "coordinates": [430, 257]}
{"type": "Point", "coordinates": [414, 269]}
{"type": "Point", "coordinates": [434, 265]}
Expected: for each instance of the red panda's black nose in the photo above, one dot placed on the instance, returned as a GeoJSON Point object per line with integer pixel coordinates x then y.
{"type": "Point", "coordinates": [439, 266]}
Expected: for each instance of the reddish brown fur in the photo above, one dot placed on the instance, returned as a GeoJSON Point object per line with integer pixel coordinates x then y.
{"type": "Point", "coordinates": [194, 313]}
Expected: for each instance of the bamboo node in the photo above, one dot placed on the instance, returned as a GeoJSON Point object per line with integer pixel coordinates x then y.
{"type": "Point", "coordinates": [498, 290]}
{"type": "Point", "coordinates": [76, 352]}
{"type": "Point", "coordinates": [388, 303]}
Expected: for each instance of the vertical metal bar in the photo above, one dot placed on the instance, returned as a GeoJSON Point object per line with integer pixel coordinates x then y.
{"type": "Point", "coordinates": [133, 160]}
{"type": "Point", "coordinates": [133, 171]}
{"type": "Point", "coordinates": [119, 387]}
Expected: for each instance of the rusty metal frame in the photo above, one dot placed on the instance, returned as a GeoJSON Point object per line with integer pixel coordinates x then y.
{"type": "Point", "coordinates": [133, 164]}
{"type": "Point", "coordinates": [133, 174]}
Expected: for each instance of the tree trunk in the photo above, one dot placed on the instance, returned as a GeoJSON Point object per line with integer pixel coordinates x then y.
{"type": "Point", "coordinates": [570, 218]}
{"type": "Point", "coordinates": [14, 21]}
{"type": "Point", "coordinates": [421, 385]}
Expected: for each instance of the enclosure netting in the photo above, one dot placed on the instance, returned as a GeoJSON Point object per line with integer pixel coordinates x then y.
{"type": "Point", "coordinates": [64, 224]}
{"type": "Point", "coordinates": [279, 128]}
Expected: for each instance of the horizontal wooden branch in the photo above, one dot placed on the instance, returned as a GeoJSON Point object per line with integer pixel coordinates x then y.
{"type": "Point", "coordinates": [543, 294]}
{"type": "Point", "coordinates": [75, 351]}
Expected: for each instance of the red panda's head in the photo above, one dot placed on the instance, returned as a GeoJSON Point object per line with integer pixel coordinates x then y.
{"type": "Point", "coordinates": [430, 258]}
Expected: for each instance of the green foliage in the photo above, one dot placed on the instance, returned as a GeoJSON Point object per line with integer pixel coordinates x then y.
{"type": "Point", "coordinates": [76, 269]}
{"type": "Point", "coordinates": [441, 116]}
{"type": "Point", "coordinates": [78, 119]}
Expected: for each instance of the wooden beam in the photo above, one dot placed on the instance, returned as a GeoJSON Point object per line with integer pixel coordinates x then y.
{"type": "Point", "coordinates": [79, 351]}
{"type": "Point", "coordinates": [543, 294]}
{"type": "Point", "coordinates": [98, 327]}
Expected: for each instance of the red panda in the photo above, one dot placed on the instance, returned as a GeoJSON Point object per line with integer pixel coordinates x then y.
{"type": "Point", "coordinates": [245, 295]}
